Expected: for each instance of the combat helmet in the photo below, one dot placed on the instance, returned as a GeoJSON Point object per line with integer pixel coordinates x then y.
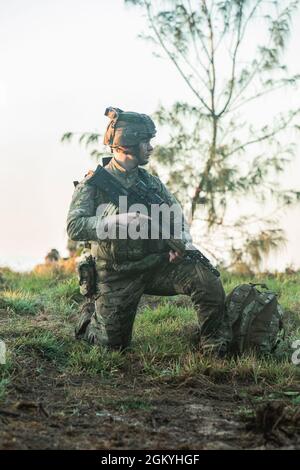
{"type": "Point", "coordinates": [127, 128]}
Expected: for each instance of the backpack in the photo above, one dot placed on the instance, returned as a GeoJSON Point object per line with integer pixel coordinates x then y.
{"type": "Point", "coordinates": [255, 319]}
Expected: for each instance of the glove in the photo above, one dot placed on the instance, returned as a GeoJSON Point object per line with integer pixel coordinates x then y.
{"type": "Point", "coordinates": [117, 225]}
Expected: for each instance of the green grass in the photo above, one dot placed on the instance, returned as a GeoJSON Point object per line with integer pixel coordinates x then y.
{"type": "Point", "coordinates": [20, 302]}
{"type": "Point", "coordinates": [160, 331]}
{"type": "Point", "coordinates": [65, 291]}
{"type": "Point", "coordinates": [128, 404]}
{"type": "Point", "coordinates": [6, 371]}
{"type": "Point", "coordinates": [38, 313]}
{"type": "Point", "coordinates": [3, 388]}
{"type": "Point", "coordinates": [30, 293]}
{"type": "Point", "coordinates": [94, 360]}
{"type": "Point", "coordinates": [31, 282]}
{"type": "Point", "coordinates": [43, 344]}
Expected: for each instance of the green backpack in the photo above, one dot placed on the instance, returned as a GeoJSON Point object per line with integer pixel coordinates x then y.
{"type": "Point", "coordinates": [255, 319]}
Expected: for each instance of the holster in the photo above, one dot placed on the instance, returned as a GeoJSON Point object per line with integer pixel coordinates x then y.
{"type": "Point", "coordinates": [87, 275]}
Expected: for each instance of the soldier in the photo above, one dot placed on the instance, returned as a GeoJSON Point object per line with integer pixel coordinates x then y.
{"type": "Point", "coordinates": [128, 268]}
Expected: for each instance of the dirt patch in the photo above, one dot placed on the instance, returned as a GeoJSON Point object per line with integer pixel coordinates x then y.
{"type": "Point", "coordinates": [277, 422]}
{"type": "Point", "coordinates": [47, 409]}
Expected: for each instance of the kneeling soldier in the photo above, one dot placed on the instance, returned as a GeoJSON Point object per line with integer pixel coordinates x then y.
{"type": "Point", "coordinates": [127, 267]}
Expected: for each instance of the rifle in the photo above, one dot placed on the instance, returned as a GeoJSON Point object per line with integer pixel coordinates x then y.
{"type": "Point", "coordinates": [139, 193]}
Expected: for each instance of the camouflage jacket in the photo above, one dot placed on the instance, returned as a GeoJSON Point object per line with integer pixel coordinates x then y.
{"type": "Point", "coordinates": [82, 219]}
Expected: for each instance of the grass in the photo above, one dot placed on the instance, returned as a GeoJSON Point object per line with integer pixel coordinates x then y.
{"type": "Point", "coordinates": [30, 282]}
{"type": "Point", "coordinates": [4, 382]}
{"type": "Point", "coordinates": [93, 360]}
{"type": "Point", "coordinates": [43, 344]}
{"type": "Point", "coordinates": [38, 313]}
{"type": "Point", "coordinates": [6, 371]}
{"type": "Point", "coordinates": [128, 404]}
{"type": "Point", "coordinates": [20, 302]}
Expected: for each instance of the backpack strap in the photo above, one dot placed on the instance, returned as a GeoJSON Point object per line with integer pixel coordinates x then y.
{"type": "Point", "coordinates": [235, 302]}
{"type": "Point", "coordinates": [251, 312]}
{"type": "Point", "coordinates": [262, 285]}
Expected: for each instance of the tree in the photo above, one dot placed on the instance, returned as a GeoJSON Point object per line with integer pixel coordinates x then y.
{"type": "Point", "coordinates": [215, 155]}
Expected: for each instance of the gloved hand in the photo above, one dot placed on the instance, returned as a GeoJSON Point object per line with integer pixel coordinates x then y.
{"type": "Point", "coordinates": [116, 225]}
{"type": "Point", "coordinates": [175, 256]}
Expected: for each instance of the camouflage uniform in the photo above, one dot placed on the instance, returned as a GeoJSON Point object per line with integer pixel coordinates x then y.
{"type": "Point", "coordinates": [127, 269]}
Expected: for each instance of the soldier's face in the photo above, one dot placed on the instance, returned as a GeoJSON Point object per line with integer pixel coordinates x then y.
{"type": "Point", "coordinates": [145, 151]}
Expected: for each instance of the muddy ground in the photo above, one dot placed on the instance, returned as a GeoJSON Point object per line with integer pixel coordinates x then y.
{"type": "Point", "coordinates": [46, 409]}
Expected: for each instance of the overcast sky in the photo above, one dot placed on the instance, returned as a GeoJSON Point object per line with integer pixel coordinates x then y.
{"type": "Point", "coordinates": [62, 63]}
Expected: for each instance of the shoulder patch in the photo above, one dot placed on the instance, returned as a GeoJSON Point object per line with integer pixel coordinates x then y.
{"type": "Point", "coordinates": [89, 174]}
{"type": "Point", "coordinates": [80, 184]}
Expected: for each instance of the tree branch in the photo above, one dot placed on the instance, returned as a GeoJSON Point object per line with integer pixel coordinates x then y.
{"type": "Point", "coordinates": [172, 58]}
{"type": "Point", "coordinates": [255, 69]}
{"type": "Point", "coordinates": [265, 136]}
{"type": "Point", "coordinates": [212, 56]}
{"type": "Point", "coordinates": [238, 42]}
{"type": "Point", "coordinates": [258, 95]}
{"type": "Point", "coordinates": [192, 32]}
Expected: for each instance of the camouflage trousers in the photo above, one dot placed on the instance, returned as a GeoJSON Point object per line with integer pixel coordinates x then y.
{"type": "Point", "coordinates": [110, 321]}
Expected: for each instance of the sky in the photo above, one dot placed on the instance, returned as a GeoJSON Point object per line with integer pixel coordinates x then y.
{"type": "Point", "coordinates": [62, 63]}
